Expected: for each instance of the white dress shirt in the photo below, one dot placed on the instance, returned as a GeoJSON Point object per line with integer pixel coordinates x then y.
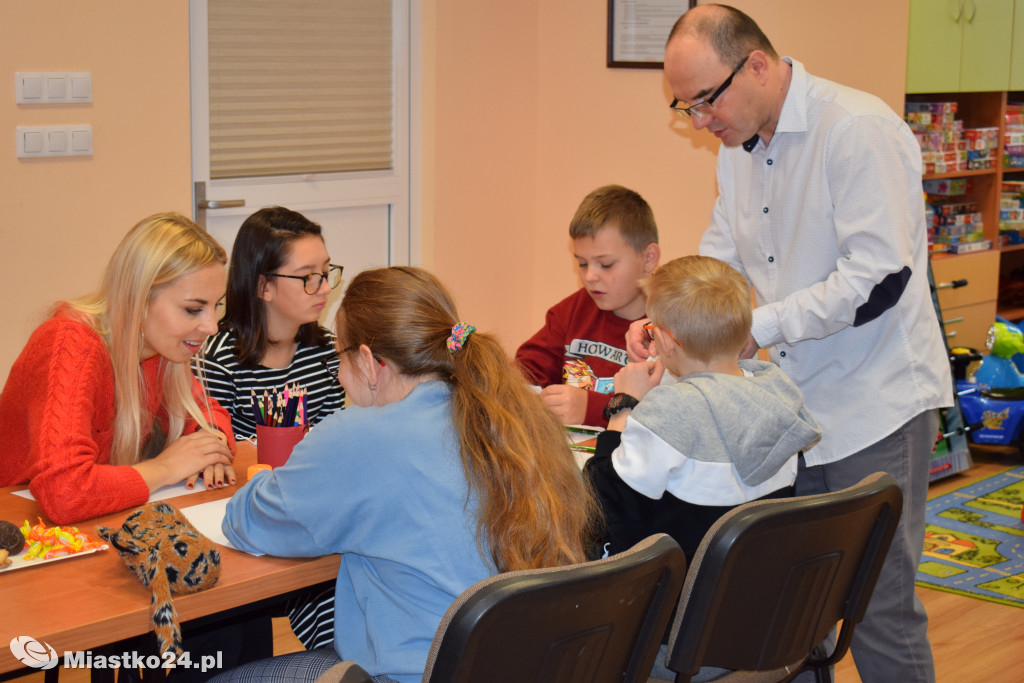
{"type": "Point", "coordinates": [827, 224]}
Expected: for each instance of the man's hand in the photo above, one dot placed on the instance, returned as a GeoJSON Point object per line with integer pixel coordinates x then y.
{"type": "Point", "coordinates": [637, 341]}
{"type": "Point", "coordinates": [749, 349]}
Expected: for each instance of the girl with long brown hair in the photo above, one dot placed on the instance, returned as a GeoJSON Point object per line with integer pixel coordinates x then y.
{"type": "Point", "coordinates": [447, 470]}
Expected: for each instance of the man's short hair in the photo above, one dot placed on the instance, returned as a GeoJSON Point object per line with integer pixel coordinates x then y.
{"type": "Point", "coordinates": [619, 207]}
{"type": "Point", "coordinates": [732, 34]}
{"type": "Point", "coordinates": [703, 302]}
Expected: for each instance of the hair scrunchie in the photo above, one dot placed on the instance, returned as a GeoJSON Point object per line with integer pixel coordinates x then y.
{"type": "Point", "coordinates": [460, 332]}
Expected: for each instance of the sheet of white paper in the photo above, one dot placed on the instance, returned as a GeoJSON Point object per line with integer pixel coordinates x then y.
{"type": "Point", "coordinates": [162, 493]}
{"type": "Point", "coordinates": [207, 518]}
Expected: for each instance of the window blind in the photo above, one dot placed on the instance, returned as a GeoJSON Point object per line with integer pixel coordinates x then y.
{"type": "Point", "coordinates": [299, 87]}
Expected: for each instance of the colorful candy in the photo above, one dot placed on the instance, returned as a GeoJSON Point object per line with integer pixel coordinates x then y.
{"type": "Point", "coordinates": [47, 542]}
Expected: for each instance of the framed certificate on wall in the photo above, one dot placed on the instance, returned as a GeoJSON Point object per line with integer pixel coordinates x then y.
{"type": "Point", "coordinates": [638, 29]}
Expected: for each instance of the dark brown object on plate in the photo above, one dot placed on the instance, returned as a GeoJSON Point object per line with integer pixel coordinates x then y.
{"type": "Point", "coordinates": [11, 539]}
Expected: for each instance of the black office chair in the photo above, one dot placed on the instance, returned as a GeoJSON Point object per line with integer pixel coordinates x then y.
{"type": "Point", "coordinates": [772, 578]}
{"type": "Point", "coordinates": [593, 622]}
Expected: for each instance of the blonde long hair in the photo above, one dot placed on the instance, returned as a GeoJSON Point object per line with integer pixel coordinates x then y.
{"type": "Point", "coordinates": [535, 508]}
{"type": "Point", "coordinates": [157, 251]}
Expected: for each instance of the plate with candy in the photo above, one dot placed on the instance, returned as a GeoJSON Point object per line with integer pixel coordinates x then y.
{"type": "Point", "coordinates": [33, 545]}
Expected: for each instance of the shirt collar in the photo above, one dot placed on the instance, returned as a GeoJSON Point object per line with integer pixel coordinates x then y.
{"type": "Point", "coordinates": [793, 117]}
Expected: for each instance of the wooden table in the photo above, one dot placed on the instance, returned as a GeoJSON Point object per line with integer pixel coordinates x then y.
{"type": "Point", "coordinates": [85, 602]}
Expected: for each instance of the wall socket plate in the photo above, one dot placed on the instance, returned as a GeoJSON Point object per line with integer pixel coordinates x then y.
{"type": "Point", "coordinates": [54, 141]}
{"type": "Point", "coordinates": [52, 87]}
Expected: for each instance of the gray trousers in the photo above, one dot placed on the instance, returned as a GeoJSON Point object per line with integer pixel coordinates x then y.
{"type": "Point", "coordinates": [891, 643]}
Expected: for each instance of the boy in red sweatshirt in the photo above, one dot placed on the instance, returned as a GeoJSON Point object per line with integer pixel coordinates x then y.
{"type": "Point", "coordinates": [582, 344]}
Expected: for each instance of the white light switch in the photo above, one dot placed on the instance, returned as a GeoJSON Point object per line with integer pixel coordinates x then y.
{"type": "Point", "coordinates": [52, 87]}
{"type": "Point", "coordinates": [56, 87]}
{"type": "Point", "coordinates": [57, 141]}
{"type": "Point", "coordinates": [54, 141]}
{"type": "Point", "coordinates": [32, 142]}
{"type": "Point", "coordinates": [31, 87]}
{"type": "Point", "coordinates": [81, 141]}
{"type": "Point", "coordinates": [81, 87]}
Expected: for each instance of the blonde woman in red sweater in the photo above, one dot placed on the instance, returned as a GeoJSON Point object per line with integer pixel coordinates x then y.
{"type": "Point", "coordinates": [101, 408]}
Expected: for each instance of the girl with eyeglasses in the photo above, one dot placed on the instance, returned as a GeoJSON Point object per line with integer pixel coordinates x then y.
{"type": "Point", "coordinates": [279, 278]}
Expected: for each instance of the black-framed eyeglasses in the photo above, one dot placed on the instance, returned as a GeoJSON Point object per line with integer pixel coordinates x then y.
{"type": "Point", "coordinates": [703, 108]}
{"type": "Point", "coordinates": [311, 283]}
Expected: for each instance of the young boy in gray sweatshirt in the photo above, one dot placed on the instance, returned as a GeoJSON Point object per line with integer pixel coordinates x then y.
{"type": "Point", "coordinates": [677, 456]}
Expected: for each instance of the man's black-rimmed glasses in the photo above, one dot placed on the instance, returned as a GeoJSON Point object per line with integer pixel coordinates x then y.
{"type": "Point", "coordinates": [703, 108]}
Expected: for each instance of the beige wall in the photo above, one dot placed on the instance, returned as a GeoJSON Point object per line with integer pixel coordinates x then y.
{"type": "Point", "coordinates": [62, 217]}
{"type": "Point", "coordinates": [521, 119]}
{"type": "Point", "coordinates": [527, 119]}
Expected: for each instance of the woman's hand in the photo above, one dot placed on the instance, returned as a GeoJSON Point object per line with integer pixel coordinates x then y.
{"type": "Point", "coordinates": [214, 476]}
{"type": "Point", "coordinates": [188, 456]}
{"type": "Point", "coordinates": [637, 341]}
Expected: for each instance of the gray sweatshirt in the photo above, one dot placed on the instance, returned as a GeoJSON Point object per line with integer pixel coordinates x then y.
{"type": "Point", "coordinates": [717, 439]}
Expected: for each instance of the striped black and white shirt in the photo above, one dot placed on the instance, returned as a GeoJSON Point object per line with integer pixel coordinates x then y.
{"type": "Point", "coordinates": [314, 368]}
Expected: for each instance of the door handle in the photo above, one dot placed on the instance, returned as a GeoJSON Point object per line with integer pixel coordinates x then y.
{"type": "Point", "coordinates": [220, 203]}
{"type": "Point", "coordinates": [203, 204]}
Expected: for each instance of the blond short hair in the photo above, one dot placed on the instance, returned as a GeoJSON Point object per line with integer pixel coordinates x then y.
{"type": "Point", "coordinates": [703, 302]}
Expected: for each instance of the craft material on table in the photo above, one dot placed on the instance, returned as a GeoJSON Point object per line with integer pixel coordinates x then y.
{"type": "Point", "coordinates": [284, 408]}
{"type": "Point", "coordinates": [162, 493]}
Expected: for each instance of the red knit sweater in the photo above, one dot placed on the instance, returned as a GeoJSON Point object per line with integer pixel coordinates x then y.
{"type": "Point", "coordinates": [56, 423]}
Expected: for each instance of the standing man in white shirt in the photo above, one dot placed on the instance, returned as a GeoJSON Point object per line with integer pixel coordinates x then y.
{"type": "Point", "coordinates": [820, 207]}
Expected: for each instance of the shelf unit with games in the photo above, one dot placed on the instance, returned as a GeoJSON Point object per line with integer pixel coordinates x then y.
{"type": "Point", "coordinates": [991, 289]}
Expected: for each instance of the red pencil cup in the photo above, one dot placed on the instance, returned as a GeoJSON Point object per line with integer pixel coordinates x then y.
{"type": "Point", "coordinates": [275, 444]}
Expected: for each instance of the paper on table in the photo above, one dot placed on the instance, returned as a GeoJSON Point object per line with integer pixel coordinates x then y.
{"type": "Point", "coordinates": [161, 493]}
{"type": "Point", "coordinates": [207, 518]}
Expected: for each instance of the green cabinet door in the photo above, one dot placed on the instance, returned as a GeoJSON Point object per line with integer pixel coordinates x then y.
{"type": "Point", "coordinates": [933, 46]}
{"type": "Point", "coordinates": [985, 50]}
{"type": "Point", "coordinates": [1017, 49]}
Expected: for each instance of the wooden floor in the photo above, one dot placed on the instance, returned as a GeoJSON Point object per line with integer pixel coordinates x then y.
{"type": "Point", "coordinates": [973, 641]}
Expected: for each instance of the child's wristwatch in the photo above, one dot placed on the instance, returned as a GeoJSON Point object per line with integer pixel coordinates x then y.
{"type": "Point", "coordinates": [617, 403]}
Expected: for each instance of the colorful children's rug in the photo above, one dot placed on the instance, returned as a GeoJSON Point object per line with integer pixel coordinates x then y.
{"type": "Point", "coordinates": [974, 540]}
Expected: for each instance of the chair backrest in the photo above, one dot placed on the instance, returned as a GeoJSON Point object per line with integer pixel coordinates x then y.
{"type": "Point", "coordinates": [771, 579]}
{"type": "Point", "coordinates": [589, 622]}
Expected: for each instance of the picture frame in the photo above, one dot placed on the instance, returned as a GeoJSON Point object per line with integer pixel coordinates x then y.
{"type": "Point", "coordinates": [638, 29]}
